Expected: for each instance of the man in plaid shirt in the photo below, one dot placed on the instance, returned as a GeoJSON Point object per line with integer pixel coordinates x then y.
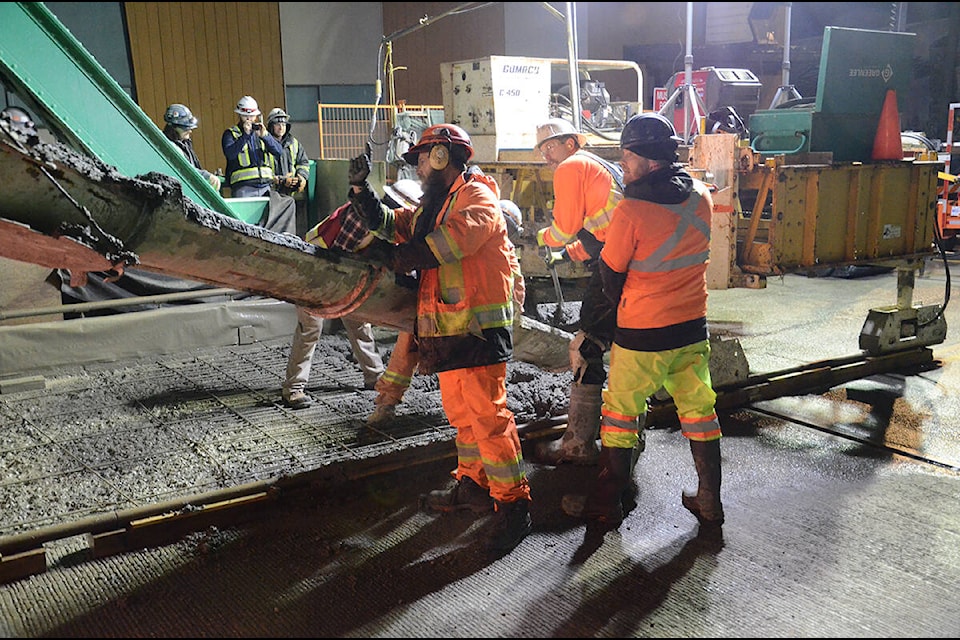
{"type": "Point", "coordinates": [344, 229]}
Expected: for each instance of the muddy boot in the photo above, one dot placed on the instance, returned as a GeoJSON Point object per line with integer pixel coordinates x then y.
{"type": "Point", "coordinates": [705, 505]}
{"type": "Point", "coordinates": [579, 442]}
{"type": "Point", "coordinates": [464, 495]}
{"type": "Point", "coordinates": [604, 503]}
{"type": "Point", "coordinates": [510, 524]}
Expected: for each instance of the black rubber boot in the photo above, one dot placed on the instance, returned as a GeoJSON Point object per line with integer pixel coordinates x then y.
{"type": "Point", "coordinates": [511, 524]}
{"type": "Point", "coordinates": [466, 494]}
{"type": "Point", "coordinates": [604, 503]}
{"type": "Point", "coordinates": [706, 504]}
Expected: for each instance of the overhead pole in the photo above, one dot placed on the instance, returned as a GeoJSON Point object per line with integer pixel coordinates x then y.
{"type": "Point", "coordinates": [573, 57]}
{"type": "Point", "coordinates": [693, 109]}
{"type": "Point", "coordinates": [786, 91]}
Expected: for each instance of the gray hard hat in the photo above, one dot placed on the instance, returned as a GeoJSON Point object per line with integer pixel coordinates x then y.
{"type": "Point", "coordinates": [179, 115]}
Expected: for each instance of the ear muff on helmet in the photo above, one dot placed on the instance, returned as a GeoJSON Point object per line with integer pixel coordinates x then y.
{"type": "Point", "coordinates": [439, 157]}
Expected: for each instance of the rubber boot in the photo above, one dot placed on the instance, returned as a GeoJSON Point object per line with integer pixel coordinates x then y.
{"type": "Point", "coordinates": [511, 524]}
{"type": "Point", "coordinates": [579, 442]}
{"type": "Point", "coordinates": [604, 503]}
{"type": "Point", "coordinates": [705, 505]}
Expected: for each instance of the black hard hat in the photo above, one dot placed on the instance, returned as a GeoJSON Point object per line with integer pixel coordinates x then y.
{"type": "Point", "coordinates": [650, 135]}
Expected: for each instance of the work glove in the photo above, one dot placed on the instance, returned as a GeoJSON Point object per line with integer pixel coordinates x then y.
{"type": "Point", "coordinates": [302, 183]}
{"type": "Point", "coordinates": [367, 202]}
{"type": "Point", "coordinates": [555, 257]}
{"type": "Point", "coordinates": [413, 256]}
{"type": "Point", "coordinates": [359, 169]}
{"type": "Point", "coordinates": [578, 364]}
{"type": "Point", "coordinates": [214, 181]}
{"type": "Point", "coordinates": [540, 234]}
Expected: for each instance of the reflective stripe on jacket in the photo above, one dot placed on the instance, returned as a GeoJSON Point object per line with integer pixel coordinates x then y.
{"type": "Point", "coordinates": [470, 293]}
{"type": "Point", "coordinates": [250, 165]}
{"type": "Point", "coordinates": [585, 194]}
{"type": "Point", "coordinates": [663, 249]}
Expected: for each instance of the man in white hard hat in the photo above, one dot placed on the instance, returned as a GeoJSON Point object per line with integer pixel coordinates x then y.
{"type": "Point", "coordinates": [251, 155]}
{"type": "Point", "coordinates": [586, 189]}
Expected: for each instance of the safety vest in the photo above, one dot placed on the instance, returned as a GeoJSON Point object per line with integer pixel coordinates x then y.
{"type": "Point", "coordinates": [249, 171]}
{"type": "Point", "coordinates": [664, 250]}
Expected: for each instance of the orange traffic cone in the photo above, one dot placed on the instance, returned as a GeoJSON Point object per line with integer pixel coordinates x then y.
{"type": "Point", "coordinates": [887, 144]}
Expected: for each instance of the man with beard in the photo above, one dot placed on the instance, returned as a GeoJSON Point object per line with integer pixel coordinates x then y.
{"type": "Point", "coordinates": [654, 266]}
{"type": "Point", "coordinates": [456, 245]}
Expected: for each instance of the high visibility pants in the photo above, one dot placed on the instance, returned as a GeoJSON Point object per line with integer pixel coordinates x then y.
{"type": "Point", "coordinates": [396, 379]}
{"type": "Point", "coordinates": [488, 446]}
{"type": "Point", "coordinates": [637, 375]}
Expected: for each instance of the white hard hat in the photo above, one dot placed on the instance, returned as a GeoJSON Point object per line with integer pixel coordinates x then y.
{"type": "Point", "coordinates": [556, 128]}
{"type": "Point", "coordinates": [247, 106]}
{"type": "Point", "coordinates": [406, 193]}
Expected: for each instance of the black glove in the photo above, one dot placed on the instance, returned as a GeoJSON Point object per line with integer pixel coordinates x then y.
{"type": "Point", "coordinates": [413, 256]}
{"type": "Point", "coordinates": [359, 169]}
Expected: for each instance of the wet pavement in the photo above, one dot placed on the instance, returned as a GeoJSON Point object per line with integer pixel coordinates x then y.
{"type": "Point", "coordinates": [841, 520]}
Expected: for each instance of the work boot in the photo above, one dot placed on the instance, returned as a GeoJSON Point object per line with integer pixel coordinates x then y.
{"type": "Point", "coordinates": [511, 524]}
{"type": "Point", "coordinates": [296, 399]}
{"type": "Point", "coordinates": [579, 442]}
{"type": "Point", "coordinates": [466, 494]}
{"type": "Point", "coordinates": [705, 505]}
{"type": "Point", "coordinates": [382, 414]}
{"type": "Point", "coordinates": [605, 502]}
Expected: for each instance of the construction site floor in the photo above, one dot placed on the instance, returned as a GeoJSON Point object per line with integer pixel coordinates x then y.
{"type": "Point", "coordinates": [842, 508]}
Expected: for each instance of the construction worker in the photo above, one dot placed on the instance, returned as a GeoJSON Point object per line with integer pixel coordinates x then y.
{"type": "Point", "coordinates": [178, 129]}
{"type": "Point", "coordinates": [344, 229]}
{"type": "Point", "coordinates": [251, 154]}
{"type": "Point", "coordinates": [291, 169]}
{"type": "Point", "coordinates": [586, 189]}
{"type": "Point", "coordinates": [403, 360]}
{"type": "Point", "coordinates": [456, 243]}
{"type": "Point", "coordinates": [653, 266]}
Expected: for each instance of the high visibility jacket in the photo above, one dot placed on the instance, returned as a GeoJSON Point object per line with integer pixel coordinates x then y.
{"type": "Point", "coordinates": [663, 249]}
{"type": "Point", "coordinates": [584, 195]}
{"type": "Point", "coordinates": [292, 160]}
{"type": "Point", "coordinates": [248, 156]}
{"type": "Point", "coordinates": [464, 305]}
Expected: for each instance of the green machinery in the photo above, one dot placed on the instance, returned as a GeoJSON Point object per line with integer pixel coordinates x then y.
{"type": "Point", "coordinates": [57, 77]}
{"type": "Point", "coordinates": [857, 67]}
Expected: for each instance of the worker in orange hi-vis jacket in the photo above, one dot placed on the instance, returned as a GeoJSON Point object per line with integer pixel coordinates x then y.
{"type": "Point", "coordinates": [586, 188]}
{"type": "Point", "coordinates": [456, 244]}
{"type": "Point", "coordinates": [653, 268]}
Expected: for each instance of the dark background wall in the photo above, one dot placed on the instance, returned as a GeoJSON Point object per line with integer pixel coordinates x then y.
{"type": "Point", "coordinates": [294, 54]}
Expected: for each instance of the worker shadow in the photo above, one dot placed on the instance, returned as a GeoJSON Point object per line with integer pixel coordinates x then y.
{"type": "Point", "coordinates": [319, 564]}
{"type": "Point", "coordinates": [632, 590]}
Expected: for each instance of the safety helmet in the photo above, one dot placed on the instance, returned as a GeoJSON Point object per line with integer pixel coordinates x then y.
{"type": "Point", "coordinates": [650, 135]}
{"type": "Point", "coordinates": [557, 128]}
{"type": "Point", "coordinates": [405, 192]}
{"type": "Point", "coordinates": [277, 115]}
{"type": "Point", "coordinates": [513, 218]}
{"type": "Point", "coordinates": [247, 106]}
{"type": "Point", "coordinates": [179, 115]}
{"type": "Point", "coordinates": [445, 134]}
{"type": "Point", "coordinates": [19, 120]}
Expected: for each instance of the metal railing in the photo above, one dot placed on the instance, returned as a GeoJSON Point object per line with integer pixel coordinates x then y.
{"type": "Point", "coordinates": [346, 128]}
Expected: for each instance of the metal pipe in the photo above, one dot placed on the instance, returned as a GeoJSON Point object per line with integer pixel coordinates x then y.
{"type": "Point", "coordinates": [785, 81]}
{"type": "Point", "coordinates": [688, 76]}
{"type": "Point", "coordinates": [574, 71]}
{"type": "Point", "coordinates": [113, 304]}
